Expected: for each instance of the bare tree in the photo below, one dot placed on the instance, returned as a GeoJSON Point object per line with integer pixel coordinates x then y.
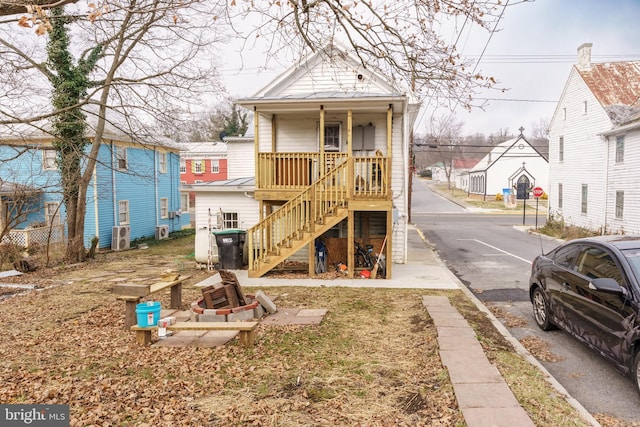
{"type": "Point", "coordinates": [399, 39]}
{"type": "Point", "coordinates": [135, 62]}
{"type": "Point", "coordinates": [142, 60]}
{"type": "Point", "coordinates": [445, 135]}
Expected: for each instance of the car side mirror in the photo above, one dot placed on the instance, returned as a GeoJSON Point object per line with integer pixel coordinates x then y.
{"type": "Point", "coordinates": [608, 285]}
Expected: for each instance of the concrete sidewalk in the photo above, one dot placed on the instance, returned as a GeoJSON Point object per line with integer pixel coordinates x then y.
{"type": "Point", "coordinates": [482, 393]}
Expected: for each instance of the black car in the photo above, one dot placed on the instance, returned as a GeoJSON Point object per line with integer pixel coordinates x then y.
{"type": "Point", "coordinates": [591, 288]}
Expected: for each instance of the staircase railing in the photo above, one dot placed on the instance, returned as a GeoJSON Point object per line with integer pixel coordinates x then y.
{"type": "Point", "coordinates": [300, 214]}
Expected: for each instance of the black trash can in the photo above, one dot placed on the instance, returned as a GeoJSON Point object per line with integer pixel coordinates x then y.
{"type": "Point", "coordinates": [230, 246]}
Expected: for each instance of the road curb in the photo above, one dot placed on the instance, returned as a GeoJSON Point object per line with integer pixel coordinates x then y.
{"type": "Point", "coordinates": [520, 349]}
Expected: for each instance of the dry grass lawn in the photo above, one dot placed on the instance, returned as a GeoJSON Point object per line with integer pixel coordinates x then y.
{"type": "Point", "coordinates": [373, 361]}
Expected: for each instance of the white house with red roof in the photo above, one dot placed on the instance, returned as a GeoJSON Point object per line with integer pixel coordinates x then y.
{"type": "Point", "coordinates": [594, 146]}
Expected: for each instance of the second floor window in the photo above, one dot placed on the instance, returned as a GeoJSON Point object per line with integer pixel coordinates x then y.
{"type": "Point", "coordinates": [121, 158]}
{"type": "Point", "coordinates": [49, 156]}
{"type": "Point", "coordinates": [183, 166]}
{"type": "Point", "coordinates": [162, 162]}
{"type": "Point", "coordinates": [215, 166]}
{"type": "Point", "coordinates": [332, 137]}
{"type": "Point", "coordinates": [197, 166]}
{"type": "Point", "coordinates": [620, 149]}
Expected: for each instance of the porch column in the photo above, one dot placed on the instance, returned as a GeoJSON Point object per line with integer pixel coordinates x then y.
{"type": "Point", "coordinates": [387, 172]}
{"type": "Point", "coordinates": [273, 133]}
{"type": "Point", "coordinates": [322, 165]}
{"type": "Point", "coordinates": [350, 177]}
{"type": "Point", "coordinates": [351, 235]}
{"type": "Point", "coordinates": [256, 146]}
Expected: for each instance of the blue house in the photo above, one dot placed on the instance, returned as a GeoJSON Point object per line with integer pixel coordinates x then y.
{"type": "Point", "coordinates": [134, 191]}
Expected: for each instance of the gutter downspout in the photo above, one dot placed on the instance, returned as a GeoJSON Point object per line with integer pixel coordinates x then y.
{"type": "Point", "coordinates": [155, 182]}
{"type": "Point", "coordinates": [113, 184]}
{"type": "Point", "coordinates": [95, 201]}
{"type": "Point", "coordinates": [606, 186]}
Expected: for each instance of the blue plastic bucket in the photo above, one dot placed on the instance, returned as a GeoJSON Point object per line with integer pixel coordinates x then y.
{"type": "Point", "coordinates": [148, 313]}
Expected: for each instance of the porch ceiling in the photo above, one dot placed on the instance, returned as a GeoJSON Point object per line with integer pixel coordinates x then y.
{"type": "Point", "coordinates": [337, 101]}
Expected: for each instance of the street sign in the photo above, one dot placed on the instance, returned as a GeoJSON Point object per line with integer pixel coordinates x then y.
{"type": "Point", "coordinates": [537, 192]}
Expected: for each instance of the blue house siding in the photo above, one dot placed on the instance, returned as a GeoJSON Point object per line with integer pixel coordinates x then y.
{"type": "Point", "coordinates": [26, 167]}
{"type": "Point", "coordinates": [141, 184]}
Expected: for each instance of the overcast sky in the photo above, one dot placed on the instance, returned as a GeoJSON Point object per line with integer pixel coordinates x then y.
{"type": "Point", "coordinates": [531, 55]}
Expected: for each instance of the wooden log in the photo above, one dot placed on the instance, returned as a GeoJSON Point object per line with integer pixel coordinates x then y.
{"type": "Point", "coordinates": [232, 296]}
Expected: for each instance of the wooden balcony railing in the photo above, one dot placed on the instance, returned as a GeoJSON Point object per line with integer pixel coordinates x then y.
{"type": "Point", "coordinates": [296, 171]}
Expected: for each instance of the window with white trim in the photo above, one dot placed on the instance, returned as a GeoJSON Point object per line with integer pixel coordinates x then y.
{"type": "Point", "coordinates": [49, 157]}
{"type": "Point", "coordinates": [183, 166]}
{"type": "Point", "coordinates": [184, 202]}
{"type": "Point", "coordinates": [619, 204]}
{"type": "Point", "coordinates": [230, 220]}
{"type": "Point", "coordinates": [620, 149]}
{"type": "Point", "coordinates": [215, 166]}
{"type": "Point", "coordinates": [121, 157]}
{"type": "Point", "coordinates": [332, 132]}
{"type": "Point", "coordinates": [561, 149]}
{"type": "Point", "coordinates": [560, 196]}
{"type": "Point", "coordinates": [162, 162]}
{"type": "Point", "coordinates": [52, 213]}
{"type": "Point", "coordinates": [123, 212]}
{"type": "Point", "coordinates": [197, 166]}
{"type": "Point", "coordinates": [164, 207]}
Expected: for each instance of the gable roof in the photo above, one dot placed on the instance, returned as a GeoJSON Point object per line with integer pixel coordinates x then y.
{"type": "Point", "coordinates": [502, 150]}
{"type": "Point", "coordinates": [464, 163]}
{"type": "Point", "coordinates": [332, 74]}
{"type": "Point", "coordinates": [614, 83]}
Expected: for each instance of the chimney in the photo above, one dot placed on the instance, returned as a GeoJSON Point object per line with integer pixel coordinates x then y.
{"type": "Point", "coordinates": [584, 57]}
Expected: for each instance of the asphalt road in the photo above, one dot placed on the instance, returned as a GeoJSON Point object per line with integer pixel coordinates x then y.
{"type": "Point", "coordinates": [492, 256]}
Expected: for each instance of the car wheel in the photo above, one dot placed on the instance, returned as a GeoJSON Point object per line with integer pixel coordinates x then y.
{"type": "Point", "coordinates": [541, 310]}
{"type": "Point", "coordinates": [636, 370]}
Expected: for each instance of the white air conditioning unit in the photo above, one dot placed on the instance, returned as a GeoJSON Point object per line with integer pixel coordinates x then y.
{"type": "Point", "coordinates": [162, 232]}
{"type": "Point", "coordinates": [120, 237]}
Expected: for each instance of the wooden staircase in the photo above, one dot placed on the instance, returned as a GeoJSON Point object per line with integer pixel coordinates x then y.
{"type": "Point", "coordinates": [300, 221]}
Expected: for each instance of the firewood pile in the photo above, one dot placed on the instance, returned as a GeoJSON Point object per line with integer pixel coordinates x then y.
{"type": "Point", "coordinates": [226, 294]}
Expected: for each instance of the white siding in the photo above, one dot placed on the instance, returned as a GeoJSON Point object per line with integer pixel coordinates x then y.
{"type": "Point", "coordinates": [299, 133]}
{"type": "Point", "coordinates": [399, 186]}
{"type": "Point", "coordinates": [585, 155]}
{"type": "Point", "coordinates": [623, 178]}
{"type": "Point", "coordinates": [241, 159]}
{"type": "Point", "coordinates": [246, 207]}
{"type": "Point", "coordinates": [334, 76]}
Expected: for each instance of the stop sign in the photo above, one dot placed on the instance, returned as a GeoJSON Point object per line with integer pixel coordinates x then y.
{"type": "Point", "coordinates": [537, 192]}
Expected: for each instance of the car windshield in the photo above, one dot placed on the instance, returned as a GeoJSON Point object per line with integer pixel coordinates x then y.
{"type": "Point", "coordinates": [633, 257]}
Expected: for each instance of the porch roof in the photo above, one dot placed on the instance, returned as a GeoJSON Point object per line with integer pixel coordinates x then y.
{"type": "Point", "coordinates": [330, 100]}
{"type": "Point", "coordinates": [228, 185]}
{"type": "Point", "coordinates": [8, 189]}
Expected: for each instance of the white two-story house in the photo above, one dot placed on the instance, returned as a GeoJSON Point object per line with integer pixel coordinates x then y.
{"type": "Point", "coordinates": [594, 147]}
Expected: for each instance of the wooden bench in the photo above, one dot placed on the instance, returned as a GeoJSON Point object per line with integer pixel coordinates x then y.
{"type": "Point", "coordinates": [132, 293]}
{"type": "Point", "coordinates": [247, 334]}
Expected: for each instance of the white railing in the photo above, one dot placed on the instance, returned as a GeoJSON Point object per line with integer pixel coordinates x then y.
{"type": "Point", "coordinates": [39, 235]}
